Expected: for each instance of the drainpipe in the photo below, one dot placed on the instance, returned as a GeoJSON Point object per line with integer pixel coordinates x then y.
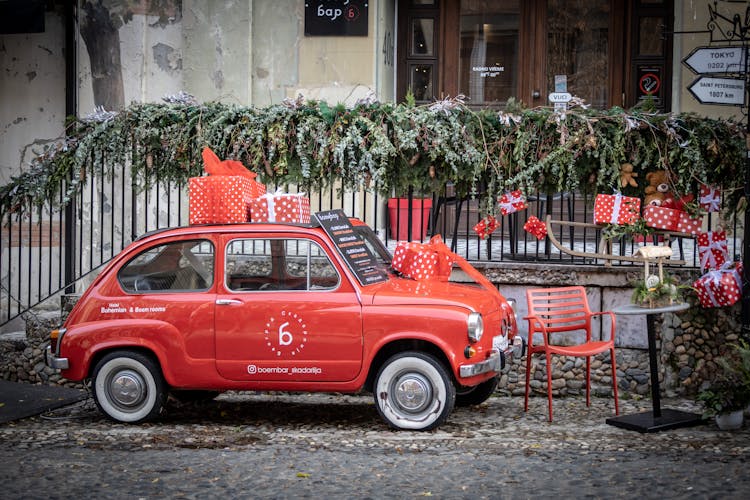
{"type": "Point", "coordinates": [71, 109]}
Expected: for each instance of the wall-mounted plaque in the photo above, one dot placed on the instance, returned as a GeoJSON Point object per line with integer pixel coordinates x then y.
{"type": "Point", "coordinates": [336, 17]}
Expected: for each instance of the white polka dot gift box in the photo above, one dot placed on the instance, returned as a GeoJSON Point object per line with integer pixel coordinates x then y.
{"type": "Point", "coordinates": [721, 287]}
{"type": "Point", "coordinates": [661, 218]}
{"type": "Point", "coordinates": [424, 261]}
{"type": "Point", "coordinates": [616, 209]}
{"type": "Point", "coordinates": [280, 207]}
{"type": "Point", "coordinates": [221, 199]}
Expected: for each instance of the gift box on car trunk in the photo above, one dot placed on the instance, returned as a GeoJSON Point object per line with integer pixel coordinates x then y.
{"type": "Point", "coordinates": [424, 261]}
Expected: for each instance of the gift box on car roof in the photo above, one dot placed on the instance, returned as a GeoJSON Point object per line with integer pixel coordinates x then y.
{"type": "Point", "coordinates": [224, 195]}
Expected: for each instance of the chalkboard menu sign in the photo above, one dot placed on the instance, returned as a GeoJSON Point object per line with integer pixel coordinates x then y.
{"type": "Point", "coordinates": [352, 247]}
{"type": "Point", "coordinates": [336, 17]}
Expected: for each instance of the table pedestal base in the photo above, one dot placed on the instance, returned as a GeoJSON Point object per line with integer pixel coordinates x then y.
{"type": "Point", "coordinates": [646, 422]}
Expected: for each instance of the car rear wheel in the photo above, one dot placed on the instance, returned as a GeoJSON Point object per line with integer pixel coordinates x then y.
{"type": "Point", "coordinates": [413, 391]}
{"type": "Point", "coordinates": [129, 387]}
{"type": "Point", "coordinates": [478, 394]}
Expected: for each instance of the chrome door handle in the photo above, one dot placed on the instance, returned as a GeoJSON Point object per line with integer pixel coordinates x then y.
{"type": "Point", "coordinates": [228, 302]}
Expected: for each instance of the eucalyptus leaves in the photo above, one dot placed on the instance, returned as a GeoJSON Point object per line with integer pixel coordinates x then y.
{"type": "Point", "coordinates": [389, 147]}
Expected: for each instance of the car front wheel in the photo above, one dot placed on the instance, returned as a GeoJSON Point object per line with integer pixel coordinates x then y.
{"type": "Point", "coordinates": [129, 387]}
{"type": "Point", "coordinates": [478, 394]}
{"type": "Point", "coordinates": [413, 391]}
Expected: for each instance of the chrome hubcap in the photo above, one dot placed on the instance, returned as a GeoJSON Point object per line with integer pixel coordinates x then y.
{"type": "Point", "coordinates": [412, 392]}
{"type": "Point", "coordinates": [127, 388]}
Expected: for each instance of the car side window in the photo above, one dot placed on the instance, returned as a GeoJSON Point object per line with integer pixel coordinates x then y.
{"type": "Point", "coordinates": [176, 266]}
{"type": "Point", "coordinates": [278, 264]}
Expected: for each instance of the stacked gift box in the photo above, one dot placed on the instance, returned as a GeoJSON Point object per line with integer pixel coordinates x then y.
{"type": "Point", "coordinates": [230, 194]}
{"type": "Point", "coordinates": [616, 209]}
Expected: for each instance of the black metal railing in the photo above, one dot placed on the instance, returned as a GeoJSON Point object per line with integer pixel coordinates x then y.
{"type": "Point", "coordinates": [51, 250]}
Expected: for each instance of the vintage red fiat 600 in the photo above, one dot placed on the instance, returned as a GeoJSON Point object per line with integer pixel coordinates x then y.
{"type": "Point", "coordinates": [284, 308]}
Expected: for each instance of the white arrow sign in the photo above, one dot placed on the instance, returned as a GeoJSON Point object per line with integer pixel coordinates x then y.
{"type": "Point", "coordinates": [716, 60]}
{"type": "Point", "coordinates": [560, 97]}
{"type": "Point", "coordinates": [729, 91]}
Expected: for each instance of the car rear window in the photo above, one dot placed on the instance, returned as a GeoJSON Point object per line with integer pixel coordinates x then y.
{"type": "Point", "coordinates": [174, 266]}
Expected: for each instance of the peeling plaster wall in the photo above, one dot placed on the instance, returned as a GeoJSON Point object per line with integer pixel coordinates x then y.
{"type": "Point", "coordinates": [277, 28]}
{"type": "Point", "coordinates": [217, 48]}
{"type": "Point", "coordinates": [32, 92]}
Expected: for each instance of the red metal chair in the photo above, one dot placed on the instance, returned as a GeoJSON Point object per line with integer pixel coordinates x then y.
{"type": "Point", "coordinates": [566, 309]}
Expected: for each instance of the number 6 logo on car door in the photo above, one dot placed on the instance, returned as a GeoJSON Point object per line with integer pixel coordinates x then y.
{"type": "Point", "coordinates": [286, 335]}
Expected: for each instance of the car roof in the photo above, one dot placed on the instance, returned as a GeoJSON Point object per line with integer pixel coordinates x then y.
{"type": "Point", "coordinates": [236, 227]}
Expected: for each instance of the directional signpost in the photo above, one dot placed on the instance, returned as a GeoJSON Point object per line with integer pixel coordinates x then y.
{"type": "Point", "coordinates": [727, 91]}
{"type": "Point", "coordinates": [704, 60]}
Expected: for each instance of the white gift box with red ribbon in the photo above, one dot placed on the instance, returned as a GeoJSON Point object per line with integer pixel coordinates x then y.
{"type": "Point", "coordinates": [512, 202]}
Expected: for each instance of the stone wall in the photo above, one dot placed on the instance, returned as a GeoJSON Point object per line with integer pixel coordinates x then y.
{"type": "Point", "coordinates": [689, 342]}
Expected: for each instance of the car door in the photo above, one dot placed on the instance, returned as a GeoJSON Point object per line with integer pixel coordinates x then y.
{"type": "Point", "coordinates": [286, 312]}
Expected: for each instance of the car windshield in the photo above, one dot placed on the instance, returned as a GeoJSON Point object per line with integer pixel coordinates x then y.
{"type": "Point", "coordinates": [375, 245]}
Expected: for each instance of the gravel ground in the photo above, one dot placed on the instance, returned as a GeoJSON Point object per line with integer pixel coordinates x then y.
{"type": "Point", "coordinates": [251, 445]}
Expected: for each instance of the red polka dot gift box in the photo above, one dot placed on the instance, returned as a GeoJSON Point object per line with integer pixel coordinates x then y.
{"type": "Point", "coordinates": [220, 199]}
{"type": "Point", "coordinates": [536, 227]}
{"type": "Point", "coordinates": [689, 224]}
{"type": "Point", "coordinates": [424, 261]}
{"type": "Point", "coordinates": [280, 207]}
{"type": "Point", "coordinates": [661, 218]}
{"type": "Point", "coordinates": [712, 249]}
{"type": "Point", "coordinates": [616, 209]}
{"type": "Point", "coordinates": [224, 195]}
{"type": "Point", "coordinates": [720, 287]}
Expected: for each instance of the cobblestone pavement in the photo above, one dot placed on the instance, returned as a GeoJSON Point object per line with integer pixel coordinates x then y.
{"type": "Point", "coordinates": [246, 445]}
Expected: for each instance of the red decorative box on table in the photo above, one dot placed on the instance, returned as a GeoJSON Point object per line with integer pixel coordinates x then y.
{"type": "Point", "coordinates": [424, 261]}
{"type": "Point", "coordinates": [280, 207]}
{"type": "Point", "coordinates": [616, 209]}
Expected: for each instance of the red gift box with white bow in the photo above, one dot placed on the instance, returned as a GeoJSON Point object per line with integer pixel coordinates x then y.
{"type": "Point", "coordinates": [536, 227]}
{"type": "Point", "coordinates": [720, 287]}
{"type": "Point", "coordinates": [424, 261]}
{"type": "Point", "coordinates": [224, 195]}
{"type": "Point", "coordinates": [486, 226]}
{"type": "Point", "coordinates": [712, 249]}
{"type": "Point", "coordinates": [661, 218]}
{"type": "Point", "coordinates": [616, 209]}
{"type": "Point", "coordinates": [512, 202]}
{"type": "Point", "coordinates": [689, 224]}
{"type": "Point", "coordinates": [710, 198]}
{"type": "Point", "coordinates": [280, 207]}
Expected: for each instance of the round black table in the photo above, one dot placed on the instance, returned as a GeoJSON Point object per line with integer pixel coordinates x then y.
{"type": "Point", "coordinates": [658, 419]}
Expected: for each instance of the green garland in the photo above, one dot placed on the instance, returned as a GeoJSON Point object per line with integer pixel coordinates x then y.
{"type": "Point", "coordinates": [389, 147]}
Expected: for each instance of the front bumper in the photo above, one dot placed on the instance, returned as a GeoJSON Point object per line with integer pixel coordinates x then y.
{"type": "Point", "coordinates": [498, 361]}
{"type": "Point", "coordinates": [53, 361]}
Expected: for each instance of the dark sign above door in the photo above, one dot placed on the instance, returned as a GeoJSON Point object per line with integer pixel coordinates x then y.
{"type": "Point", "coordinates": [336, 17]}
{"type": "Point", "coordinates": [352, 247]}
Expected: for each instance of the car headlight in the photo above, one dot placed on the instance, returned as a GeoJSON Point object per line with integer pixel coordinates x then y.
{"type": "Point", "coordinates": [475, 327]}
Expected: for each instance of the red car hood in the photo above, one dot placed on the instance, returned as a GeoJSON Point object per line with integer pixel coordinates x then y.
{"type": "Point", "coordinates": [401, 291]}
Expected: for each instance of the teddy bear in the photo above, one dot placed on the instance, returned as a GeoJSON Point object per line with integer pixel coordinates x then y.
{"type": "Point", "coordinates": [627, 176]}
{"type": "Point", "coordinates": [658, 189]}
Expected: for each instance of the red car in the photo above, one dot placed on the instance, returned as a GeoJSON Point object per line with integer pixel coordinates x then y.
{"type": "Point", "coordinates": [306, 307]}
